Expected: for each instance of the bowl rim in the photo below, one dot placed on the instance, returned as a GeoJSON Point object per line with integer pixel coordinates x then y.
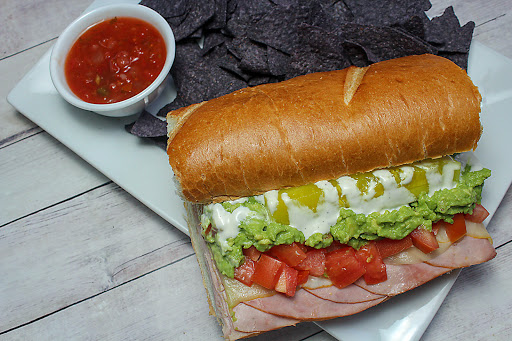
{"type": "Point", "coordinates": [68, 37]}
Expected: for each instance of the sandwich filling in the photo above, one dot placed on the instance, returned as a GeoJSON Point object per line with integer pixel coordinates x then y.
{"type": "Point", "coordinates": [353, 210]}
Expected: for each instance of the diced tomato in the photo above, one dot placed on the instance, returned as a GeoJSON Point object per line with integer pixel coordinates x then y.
{"type": "Point", "coordinates": [335, 245]}
{"type": "Point", "coordinates": [371, 259]}
{"type": "Point", "coordinates": [479, 214]}
{"type": "Point", "coordinates": [252, 253]}
{"type": "Point", "coordinates": [245, 271]}
{"type": "Point", "coordinates": [267, 271]}
{"type": "Point", "coordinates": [287, 282]}
{"type": "Point", "coordinates": [208, 230]}
{"type": "Point", "coordinates": [314, 263]}
{"type": "Point", "coordinates": [436, 226]}
{"type": "Point", "coordinates": [303, 247]}
{"type": "Point", "coordinates": [456, 230]}
{"type": "Point", "coordinates": [343, 267]}
{"type": "Point", "coordinates": [291, 254]}
{"type": "Point", "coordinates": [424, 240]}
{"type": "Point", "coordinates": [389, 247]}
{"type": "Point", "coordinates": [302, 277]}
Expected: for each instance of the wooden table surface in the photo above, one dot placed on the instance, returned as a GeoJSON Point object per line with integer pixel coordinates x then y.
{"type": "Point", "coordinates": [82, 259]}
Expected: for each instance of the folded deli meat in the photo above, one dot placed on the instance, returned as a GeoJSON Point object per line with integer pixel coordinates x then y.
{"type": "Point", "coordinates": [327, 194]}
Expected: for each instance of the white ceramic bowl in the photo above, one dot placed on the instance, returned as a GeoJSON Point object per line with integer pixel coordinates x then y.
{"type": "Point", "coordinates": [66, 40]}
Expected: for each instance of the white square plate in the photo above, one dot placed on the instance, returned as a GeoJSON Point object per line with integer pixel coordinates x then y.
{"type": "Point", "coordinates": [142, 169]}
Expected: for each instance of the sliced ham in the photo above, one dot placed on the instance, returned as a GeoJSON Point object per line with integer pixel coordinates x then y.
{"type": "Point", "coordinates": [402, 278]}
{"type": "Point", "coordinates": [252, 320]}
{"type": "Point", "coordinates": [350, 294]}
{"type": "Point", "coordinates": [306, 306]}
{"type": "Point", "coordinates": [466, 252]}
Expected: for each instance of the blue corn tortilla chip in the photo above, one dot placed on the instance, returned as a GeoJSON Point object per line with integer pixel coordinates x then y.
{"type": "Point", "coordinates": [338, 11]}
{"type": "Point", "coordinates": [212, 40]}
{"type": "Point", "coordinates": [230, 63]}
{"type": "Point", "coordinates": [148, 125]}
{"type": "Point", "coordinates": [319, 51]}
{"type": "Point", "coordinates": [177, 103]}
{"type": "Point", "coordinates": [386, 12]}
{"type": "Point", "coordinates": [447, 35]}
{"type": "Point", "coordinates": [383, 43]}
{"type": "Point", "coordinates": [271, 31]}
{"type": "Point", "coordinates": [219, 18]}
{"type": "Point", "coordinates": [357, 54]}
{"type": "Point", "coordinates": [278, 62]}
{"type": "Point", "coordinates": [252, 56]}
{"type": "Point", "coordinates": [199, 12]}
{"type": "Point", "coordinates": [258, 80]}
{"type": "Point", "coordinates": [198, 77]}
{"type": "Point", "coordinates": [415, 26]}
{"type": "Point", "coordinates": [168, 9]}
{"type": "Point", "coordinates": [186, 17]}
{"type": "Point", "coordinates": [244, 13]}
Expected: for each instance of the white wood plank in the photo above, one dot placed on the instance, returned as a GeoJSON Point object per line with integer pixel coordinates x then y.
{"type": "Point", "coordinates": [80, 248]}
{"type": "Point", "coordinates": [25, 37]}
{"type": "Point", "coordinates": [497, 32]}
{"type": "Point", "coordinates": [154, 307]}
{"type": "Point", "coordinates": [12, 70]}
{"type": "Point", "coordinates": [31, 22]}
{"type": "Point", "coordinates": [38, 172]}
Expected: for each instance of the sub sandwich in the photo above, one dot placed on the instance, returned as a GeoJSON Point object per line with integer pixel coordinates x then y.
{"type": "Point", "coordinates": [327, 194]}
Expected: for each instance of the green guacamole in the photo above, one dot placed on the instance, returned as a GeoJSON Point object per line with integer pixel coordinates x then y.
{"type": "Point", "coordinates": [259, 228]}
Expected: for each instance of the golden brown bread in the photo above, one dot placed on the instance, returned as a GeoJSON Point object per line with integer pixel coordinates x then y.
{"type": "Point", "coordinates": [302, 130]}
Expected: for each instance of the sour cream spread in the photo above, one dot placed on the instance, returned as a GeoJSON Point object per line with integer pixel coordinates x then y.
{"type": "Point", "coordinates": [378, 191]}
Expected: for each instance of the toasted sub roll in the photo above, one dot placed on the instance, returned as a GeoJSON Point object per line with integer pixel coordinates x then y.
{"type": "Point", "coordinates": [322, 126]}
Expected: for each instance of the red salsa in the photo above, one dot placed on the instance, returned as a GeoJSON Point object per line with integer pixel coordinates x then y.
{"type": "Point", "coordinates": [115, 60]}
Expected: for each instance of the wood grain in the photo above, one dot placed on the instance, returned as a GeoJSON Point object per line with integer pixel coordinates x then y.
{"type": "Point", "coordinates": [74, 250]}
{"type": "Point", "coordinates": [153, 307]}
{"type": "Point", "coordinates": [38, 172]}
{"type": "Point", "coordinates": [16, 126]}
{"type": "Point", "coordinates": [23, 27]}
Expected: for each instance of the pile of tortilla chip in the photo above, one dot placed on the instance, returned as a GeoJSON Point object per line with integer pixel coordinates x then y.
{"type": "Point", "coordinates": [226, 45]}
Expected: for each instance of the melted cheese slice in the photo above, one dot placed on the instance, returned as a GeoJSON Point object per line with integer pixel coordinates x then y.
{"type": "Point", "coordinates": [238, 292]}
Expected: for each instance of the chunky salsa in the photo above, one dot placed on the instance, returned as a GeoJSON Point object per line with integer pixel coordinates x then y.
{"type": "Point", "coordinates": [115, 60]}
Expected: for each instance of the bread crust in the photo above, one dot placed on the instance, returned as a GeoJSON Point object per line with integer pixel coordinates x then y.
{"type": "Point", "coordinates": [302, 130]}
